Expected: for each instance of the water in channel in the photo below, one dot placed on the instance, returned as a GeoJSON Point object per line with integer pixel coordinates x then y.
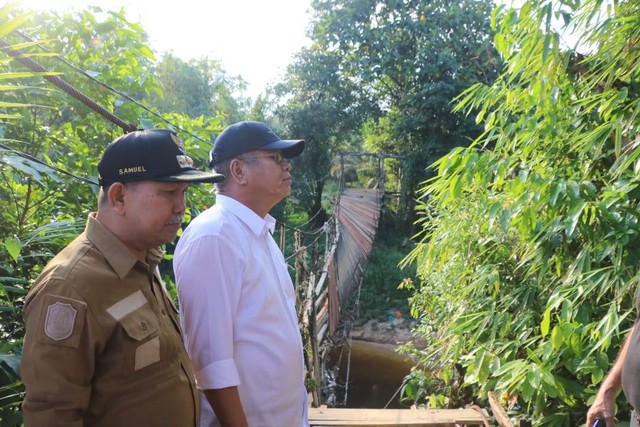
{"type": "Point", "coordinates": [375, 374]}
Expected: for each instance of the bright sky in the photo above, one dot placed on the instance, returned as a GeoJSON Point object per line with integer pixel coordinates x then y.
{"type": "Point", "coordinates": [252, 38]}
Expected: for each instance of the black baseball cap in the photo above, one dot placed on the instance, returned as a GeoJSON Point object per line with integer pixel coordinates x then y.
{"type": "Point", "coordinates": [150, 155]}
{"type": "Point", "coordinates": [243, 137]}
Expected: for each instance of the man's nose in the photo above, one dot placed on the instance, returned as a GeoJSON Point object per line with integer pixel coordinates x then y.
{"type": "Point", "coordinates": [181, 203]}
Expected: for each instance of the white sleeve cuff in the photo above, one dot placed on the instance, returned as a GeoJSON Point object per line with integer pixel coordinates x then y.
{"type": "Point", "coordinates": [220, 374]}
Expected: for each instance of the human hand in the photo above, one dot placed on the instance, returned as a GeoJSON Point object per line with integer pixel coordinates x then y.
{"type": "Point", "coordinates": [601, 413]}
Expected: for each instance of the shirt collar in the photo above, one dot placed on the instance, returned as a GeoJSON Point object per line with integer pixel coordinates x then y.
{"type": "Point", "coordinates": [258, 225]}
{"type": "Point", "coordinates": [115, 252]}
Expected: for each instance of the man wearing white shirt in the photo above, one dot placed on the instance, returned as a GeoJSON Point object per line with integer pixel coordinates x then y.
{"type": "Point", "coordinates": [237, 301]}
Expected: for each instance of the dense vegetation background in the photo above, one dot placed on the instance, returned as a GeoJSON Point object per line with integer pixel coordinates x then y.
{"type": "Point", "coordinates": [516, 215]}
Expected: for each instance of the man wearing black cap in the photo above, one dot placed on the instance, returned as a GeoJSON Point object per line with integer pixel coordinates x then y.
{"type": "Point", "coordinates": [103, 345]}
{"type": "Point", "coordinates": [236, 297]}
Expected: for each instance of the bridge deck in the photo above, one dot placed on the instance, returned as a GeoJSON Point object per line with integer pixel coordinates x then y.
{"type": "Point", "coordinates": [321, 417]}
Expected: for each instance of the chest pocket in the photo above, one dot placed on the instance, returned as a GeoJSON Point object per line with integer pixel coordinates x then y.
{"type": "Point", "coordinates": [140, 324]}
{"type": "Point", "coordinates": [143, 344]}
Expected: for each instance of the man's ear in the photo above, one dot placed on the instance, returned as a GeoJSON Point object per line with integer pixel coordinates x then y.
{"type": "Point", "coordinates": [115, 196]}
{"type": "Point", "coordinates": [237, 170]}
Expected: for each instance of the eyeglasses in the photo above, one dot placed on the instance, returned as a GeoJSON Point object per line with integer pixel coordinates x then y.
{"type": "Point", "coordinates": [277, 157]}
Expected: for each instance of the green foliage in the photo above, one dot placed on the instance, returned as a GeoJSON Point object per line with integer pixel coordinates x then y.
{"type": "Point", "coordinates": [409, 59]}
{"type": "Point", "coordinates": [380, 76]}
{"type": "Point", "coordinates": [420, 386]}
{"type": "Point", "coordinates": [198, 88]}
{"type": "Point", "coordinates": [381, 295]}
{"type": "Point", "coordinates": [10, 387]}
{"type": "Point", "coordinates": [529, 252]}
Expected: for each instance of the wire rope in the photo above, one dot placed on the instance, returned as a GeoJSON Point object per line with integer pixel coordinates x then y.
{"type": "Point", "coordinates": [107, 86]}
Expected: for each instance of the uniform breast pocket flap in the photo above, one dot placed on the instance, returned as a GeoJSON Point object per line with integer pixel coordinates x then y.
{"type": "Point", "coordinates": [141, 326]}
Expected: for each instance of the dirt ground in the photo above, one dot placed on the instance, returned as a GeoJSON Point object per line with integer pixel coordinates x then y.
{"type": "Point", "coordinates": [394, 332]}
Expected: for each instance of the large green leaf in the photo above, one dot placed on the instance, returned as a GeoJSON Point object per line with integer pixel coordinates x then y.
{"type": "Point", "coordinates": [13, 246]}
{"type": "Point", "coordinates": [32, 168]}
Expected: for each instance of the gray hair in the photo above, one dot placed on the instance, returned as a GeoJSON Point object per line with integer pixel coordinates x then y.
{"type": "Point", "coordinates": [223, 169]}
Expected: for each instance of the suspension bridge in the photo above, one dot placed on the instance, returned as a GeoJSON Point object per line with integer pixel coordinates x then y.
{"type": "Point", "coordinates": [325, 293]}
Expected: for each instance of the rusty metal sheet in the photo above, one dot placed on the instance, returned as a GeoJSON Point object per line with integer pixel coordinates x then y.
{"type": "Point", "coordinates": [358, 214]}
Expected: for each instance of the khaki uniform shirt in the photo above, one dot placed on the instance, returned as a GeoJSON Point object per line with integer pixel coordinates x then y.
{"type": "Point", "coordinates": [103, 345]}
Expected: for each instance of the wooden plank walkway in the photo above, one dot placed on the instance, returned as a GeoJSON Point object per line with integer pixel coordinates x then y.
{"type": "Point", "coordinates": [325, 417]}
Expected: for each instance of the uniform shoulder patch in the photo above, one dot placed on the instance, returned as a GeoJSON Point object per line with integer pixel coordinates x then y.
{"type": "Point", "coordinates": [62, 320]}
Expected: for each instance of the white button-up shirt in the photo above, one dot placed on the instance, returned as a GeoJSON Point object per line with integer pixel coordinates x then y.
{"type": "Point", "coordinates": [237, 309]}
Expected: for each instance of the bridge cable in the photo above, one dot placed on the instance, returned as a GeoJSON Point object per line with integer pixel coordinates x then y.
{"type": "Point", "coordinates": [66, 87]}
{"type": "Point", "coordinates": [57, 81]}
{"type": "Point", "coordinates": [302, 249]}
{"type": "Point", "coordinates": [107, 86]}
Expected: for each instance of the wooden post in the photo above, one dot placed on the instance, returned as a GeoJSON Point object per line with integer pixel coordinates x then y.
{"type": "Point", "coordinates": [499, 413]}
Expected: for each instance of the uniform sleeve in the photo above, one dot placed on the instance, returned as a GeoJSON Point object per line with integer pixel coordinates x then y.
{"type": "Point", "coordinates": [58, 359]}
{"type": "Point", "coordinates": [208, 274]}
